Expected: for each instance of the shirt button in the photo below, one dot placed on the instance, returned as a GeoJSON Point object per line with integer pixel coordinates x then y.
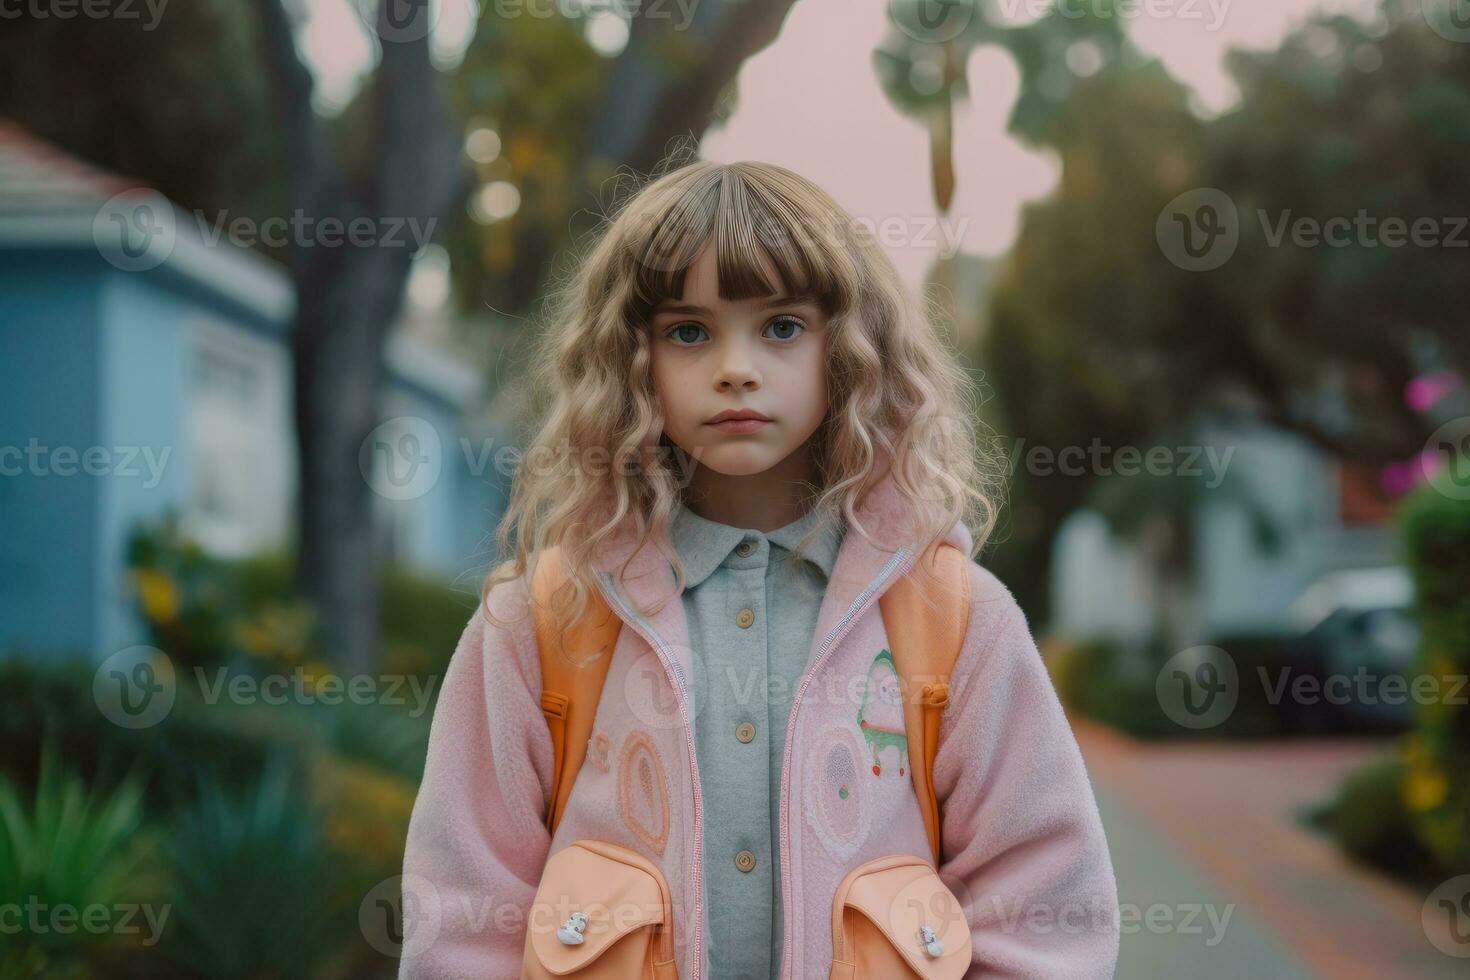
{"type": "Point", "coordinates": [744, 618]}
{"type": "Point", "coordinates": [745, 861]}
{"type": "Point", "coordinates": [745, 731]}
{"type": "Point", "coordinates": [744, 548]}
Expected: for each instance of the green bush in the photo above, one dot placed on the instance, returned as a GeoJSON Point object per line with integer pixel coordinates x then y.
{"type": "Point", "coordinates": [422, 619]}
{"type": "Point", "coordinates": [44, 699]}
{"type": "Point", "coordinates": [187, 597]}
{"type": "Point", "coordinates": [72, 859]}
{"type": "Point", "coordinates": [1369, 820]}
{"type": "Point", "coordinates": [1108, 681]}
{"type": "Point", "coordinates": [388, 737]}
{"type": "Point", "coordinates": [1436, 536]}
{"type": "Point", "coordinates": [1101, 679]}
{"type": "Point", "coordinates": [254, 884]}
{"type": "Point", "coordinates": [203, 765]}
{"type": "Point", "coordinates": [210, 612]}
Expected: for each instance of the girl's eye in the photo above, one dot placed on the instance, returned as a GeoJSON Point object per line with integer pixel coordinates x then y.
{"type": "Point", "coordinates": [681, 334]}
{"type": "Point", "coordinates": [787, 327]}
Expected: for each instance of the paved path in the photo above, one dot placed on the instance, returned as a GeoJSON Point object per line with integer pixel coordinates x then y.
{"type": "Point", "coordinates": [1205, 838]}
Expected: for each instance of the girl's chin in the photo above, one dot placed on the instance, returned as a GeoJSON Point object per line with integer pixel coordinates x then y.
{"type": "Point", "coordinates": [739, 461]}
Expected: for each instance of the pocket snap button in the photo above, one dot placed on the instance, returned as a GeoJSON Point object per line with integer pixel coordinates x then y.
{"type": "Point", "coordinates": [744, 618]}
{"type": "Point", "coordinates": [571, 930]}
{"type": "Point", "coordinates": [745, 731]}
{"type": "Point", "coordinates": [745, 860]}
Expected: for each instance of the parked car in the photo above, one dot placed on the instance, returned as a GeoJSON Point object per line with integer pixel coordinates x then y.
{"type": "Point", "coordinates": [1358, 645]}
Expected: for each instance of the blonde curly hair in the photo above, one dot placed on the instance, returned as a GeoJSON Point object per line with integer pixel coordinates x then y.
{"type": "Point", "coordinates": [896, 395]}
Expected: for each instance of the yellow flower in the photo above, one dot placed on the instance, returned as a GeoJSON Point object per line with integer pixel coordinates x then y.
{"type": "Point", "coordinates": [1425, 789]}
{"type": "Point", "coordinates": [276, 632]}
{"type": "Point", "coordinates": [157, 593]}
{"type": "Point", "coordinates": [313, 671]}
{"type": "Point", "coordinates": [367, 810]}
{"type": "Point", "coordinates": [254, 639]}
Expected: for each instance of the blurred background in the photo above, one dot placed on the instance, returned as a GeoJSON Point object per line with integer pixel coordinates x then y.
{"type": "Point", "coordinates": [269, 272]}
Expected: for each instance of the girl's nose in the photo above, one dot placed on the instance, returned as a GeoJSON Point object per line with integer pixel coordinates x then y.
{"type": "Point", "coordinates": [736, 370]}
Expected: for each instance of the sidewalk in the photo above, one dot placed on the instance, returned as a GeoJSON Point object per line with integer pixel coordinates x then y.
{"type": "Point", "coordinates": [1196, 827]}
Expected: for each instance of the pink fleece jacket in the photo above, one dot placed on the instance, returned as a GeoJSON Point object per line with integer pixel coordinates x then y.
{"type": "Point", "coordinates": [1023, 844]}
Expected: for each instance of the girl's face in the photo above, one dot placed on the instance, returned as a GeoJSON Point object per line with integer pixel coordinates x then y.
{"type": "Point", "coordinates": [710, 356]}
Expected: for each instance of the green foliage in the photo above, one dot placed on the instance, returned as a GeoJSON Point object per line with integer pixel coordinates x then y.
{"type": "Point", "coordinates": [42, 701]}
{"type": "Point", "coordinates": [51, 699]}
{"type": "Point", "coordinates": [1116, 684]}
{"type": "Point", "coordinates": [209, 612]}
{"type": "Point", "coordinates": [389, 737]}
{"type": "Point", "coordinates": [71, 851]}
{"type": "Point", "coordinates": [1436, 534]}
{"type": "Point", "coordinates": [253, 884]}
{"type": "Point", "coordinates": [206, 611]}
{"type": "Point", "coordinates": [1093, 332]}
{"type": "Point", "coordinates": [422, 618]}
{"type": "Point", "coordinates": [203, 767]}
{"type": "Point", "coordinates": [1102, 679]}
{"type": "Point", "coordinates": [533, 81]}
{"type": "Point", "coordinates": [1343, 117]}
{"type": "Point", "coordinates": [1369, 820]}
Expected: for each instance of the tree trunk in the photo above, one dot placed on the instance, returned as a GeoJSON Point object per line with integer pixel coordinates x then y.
{"type": "Point", "coordinates": [348, 296]}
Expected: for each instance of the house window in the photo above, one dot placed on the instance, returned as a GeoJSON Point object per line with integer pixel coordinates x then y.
{"type": "Point", "coordinates": [241, 446]}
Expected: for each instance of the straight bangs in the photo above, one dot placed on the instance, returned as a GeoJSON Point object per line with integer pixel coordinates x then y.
{"type": "Point", "coordinates": [769, 240]}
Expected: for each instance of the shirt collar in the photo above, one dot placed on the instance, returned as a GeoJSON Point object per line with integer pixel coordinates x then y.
{"type": "Point", "coordinates": [703, 544]}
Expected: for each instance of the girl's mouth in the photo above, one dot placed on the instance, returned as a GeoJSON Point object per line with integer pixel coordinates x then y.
{"type": "Point", "coordinates": [738, 426]}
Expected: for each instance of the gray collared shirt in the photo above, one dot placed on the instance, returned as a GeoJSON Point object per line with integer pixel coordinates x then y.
{"type": "Point", "coordinates": [750, 628]}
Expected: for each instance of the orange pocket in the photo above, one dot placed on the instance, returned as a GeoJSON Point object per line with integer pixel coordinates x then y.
{"type": "Point", "coordinates": [894, 917]}
{"type": "Point", "coordinates": [601, 911]}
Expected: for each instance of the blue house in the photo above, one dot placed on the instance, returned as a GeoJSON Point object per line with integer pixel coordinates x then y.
{"type": "Point", "coordinates": [146, 368]}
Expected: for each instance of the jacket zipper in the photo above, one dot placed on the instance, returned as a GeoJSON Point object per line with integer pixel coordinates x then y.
{"type": "Point", "coordinates": [901, 557]}
{"type": "Point", "coordinates": [676, 675]}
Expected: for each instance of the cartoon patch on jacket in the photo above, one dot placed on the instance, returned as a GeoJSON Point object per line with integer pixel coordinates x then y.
{"type": "Point", "coordinates": [880, 715]}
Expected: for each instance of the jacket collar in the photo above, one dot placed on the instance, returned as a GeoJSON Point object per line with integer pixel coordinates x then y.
{"type": "Point", "coordinates": [647, 580]}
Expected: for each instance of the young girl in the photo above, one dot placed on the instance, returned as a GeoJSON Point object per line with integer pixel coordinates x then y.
{"type": "Point", "coordinates": [748, 417]}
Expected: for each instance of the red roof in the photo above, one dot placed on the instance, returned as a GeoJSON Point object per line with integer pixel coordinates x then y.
{"type": "Point", "coordinates": [36, 175]}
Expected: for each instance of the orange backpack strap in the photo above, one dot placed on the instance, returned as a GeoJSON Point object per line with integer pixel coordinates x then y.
{"type": "Point", "coordinates": [925, 632]}
{"type": "Point", "coordinates": [569, 693]}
